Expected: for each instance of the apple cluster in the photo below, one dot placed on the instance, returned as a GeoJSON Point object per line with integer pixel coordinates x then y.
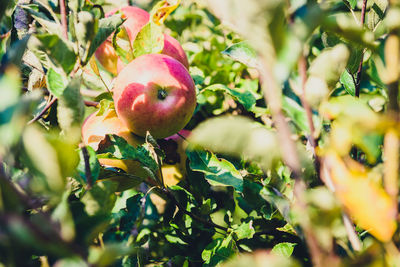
{"type": "Point", "coordinates": [153, 92]}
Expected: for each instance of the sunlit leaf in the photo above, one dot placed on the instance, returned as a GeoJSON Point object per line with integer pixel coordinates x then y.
{"type": "Point", "coordinates": [348, 82]}
{"type": "Point", "coordinates": [63, 216]}
{"type": "Point", "coordinates": [56, 48]}
{"type": "Point", "coordinates": [366, 201]}
{"type": "Point", "coordinates": [100, 199]}
{"type": "Point", "coordinates": [243, 53]}
{"type": "Point", "coordinates": [56, 82]}
{"type": "Point", "coordinates": [162, 9]}
{"type": "Point", "coordinates": [217, 171]}
{"type": "Point", "coordinates": [149, 40]}
{"type": "Point", "coordinates": [245, 230]}
{"type": "Point", "coordinates": [219, 250]}
{"type": "Point", "coordinates": [245, 98]}
{"type": "Point", "coordinates": [70, 109]}
{"type": "Point", "coordinates": [284, 249]}
{"type": "Point", "coordinates": [238, 136]}
{"type": "Point", "coordinates": [106, 27]}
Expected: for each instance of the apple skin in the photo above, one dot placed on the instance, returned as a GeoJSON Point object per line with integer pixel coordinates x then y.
{"type": "Point", "coordinates": [154, 93]}
{"type": "Point", "coordinates": [137, 18]}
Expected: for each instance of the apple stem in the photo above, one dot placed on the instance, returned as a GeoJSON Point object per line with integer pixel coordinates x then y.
{"type": "Point", "coordinates": [161, 94]}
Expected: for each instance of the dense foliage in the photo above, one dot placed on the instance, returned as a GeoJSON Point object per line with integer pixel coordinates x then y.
{"type": "Point", "coordinates": [291, 157]}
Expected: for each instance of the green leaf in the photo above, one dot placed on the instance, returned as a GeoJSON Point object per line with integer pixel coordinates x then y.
{"type": "Point", "coordinates": [348, 82]}
{"type": "Point", "coordinates": [376, 13]}
{"type": "Point", "coordinates": [243, 53]}
{"type": "Point", "coordinates": [283, 249]}
{"type": "Point", "coordinates": [245, 98]}
{"type": "Point", "coordinates": [217, 171]}
{"type": "Point", "coordinates": [219, 250]}
{"type": "Point", "coordinates": [63, 216]}
{"type": "Point", "coordinates": [107, 255]}
{"type": "Point", "coordinates": [86, 28]}
{"type": "Point", "coordinates": [120, 149]}
{"type": "Point", "coordinates": [56, 82]}
{"type": "Point", "coordinates": [244, 231]}
{"type": "Point", "coordinates": [16, 52]}
{"type": "Point", "coordinates": [57, 49]}
{"type": "Point", "coordinates": [50, 26]}
{"type": "Point", "coordinates": [105, 105]}
{"type": "Point", "coordinates": [298, 115]}
{"type": "Point", "coordinates": [352, 3]}
{"type": "Point", "coordinates": [106, 27]}
{"type": "Point", "coordinates": [94, 165]}
{"type": "Point", "coordinates": [70, 108]}
{"type": "Point", "coordinates": [330, 64]}
{"type": "Point", "coordinates": [100, 199]}
{"type": "Point", "coordinates": [238, 136]}
{"type": "Point", "coordinates": [122, 45]}
{"type": "Point", "coordinates": [373, 73]}
{"type": "Point", "coordinates": [44, 161]}
{"type": "Point", "coordinates": [150, 40]}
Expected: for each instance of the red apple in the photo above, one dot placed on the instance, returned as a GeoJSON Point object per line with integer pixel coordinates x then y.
{"type": "Point", "coordinates": [136, 19]}
{"type": "Point", "coordinates": [154, 93]}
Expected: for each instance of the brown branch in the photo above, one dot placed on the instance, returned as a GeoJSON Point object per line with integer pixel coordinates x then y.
{"type": "Point", "coordinates": [359, 70]}
{"type": "Point", "coordinates": [273, 99]}
{"type": "Point", "coordinates": [44, 110]}
{"type": "Point", "coordinates": [302, 64]}
{"type": "Point", "coordinates": [64, 19]}
{"type": "Point", "coordinates": [393, 94]}
{"type": "Point", "coordinates": [272, 95]}
{"type": "Point", "coordinates": [90, 103]}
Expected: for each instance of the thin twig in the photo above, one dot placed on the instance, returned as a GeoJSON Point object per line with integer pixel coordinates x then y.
{"type": "Point", "coordinates": [303, 74]}
{"type": "Point", "coordinates": [44, 110]}
{"type": "Point", "coordinates": [359, 71]}
{"type": "Point", "coordinates": [352, 12]}
{"type": "Point", "coordinates": [90, 103]}
{"type": "Point", "coordinates": [88, 172]}
{"type": "Point", "coordinates": [351, 233]}
{"type": "Point", "coordinates": [348, 224]}
{"type": "Point", "coordinates": [290, 156]}
{"type": "Point", "coordinates": [64, 18]}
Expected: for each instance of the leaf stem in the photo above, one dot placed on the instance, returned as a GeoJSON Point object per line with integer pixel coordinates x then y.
{"type": "Point", "coordinates": [44, 110]}
{"type": "Point", "coordinates": [88, 172]}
